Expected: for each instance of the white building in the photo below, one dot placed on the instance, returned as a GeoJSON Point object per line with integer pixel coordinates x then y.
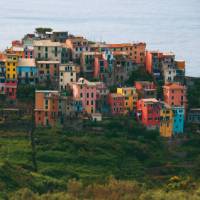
{"type": "Point", "coordinates": [67, 75]}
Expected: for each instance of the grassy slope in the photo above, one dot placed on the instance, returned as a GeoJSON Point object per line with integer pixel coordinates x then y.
{"type": "Point", "coordinates": [120, 148]}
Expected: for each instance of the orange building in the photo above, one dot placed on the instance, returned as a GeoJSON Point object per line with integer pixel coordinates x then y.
{"type": "Point", "coordinates": [153, 61]}
{"type": "Point", "coordinates": [180, 64]}
{"type": "Point", "coordinates": [175, 94]}
{"type": "Point", "coordinates": [135, 51]}
{"type": "Point", "coordinates": [46, 107]}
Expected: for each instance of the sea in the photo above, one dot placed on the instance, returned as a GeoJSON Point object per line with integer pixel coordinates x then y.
{"type": "Point", "coordinates": [165, 25]}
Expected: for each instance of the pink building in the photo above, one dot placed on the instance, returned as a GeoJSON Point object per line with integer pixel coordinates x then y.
{"type": "Point", "coordinates": [116, 102]}
{"type": "Point", "coordinates": [175, 94]}
{"type": "Point", "coordinates": [87, 92]}
{"type": "Point", "coordinates": [148, 112]}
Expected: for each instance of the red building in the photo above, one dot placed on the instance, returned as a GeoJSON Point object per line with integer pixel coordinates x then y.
{"type": "Point", "coordinates": [116, 103]}
{"type": "Point", "coordinates": [148, 112]}
{"type": "Point", "coordinates": [10, 89]}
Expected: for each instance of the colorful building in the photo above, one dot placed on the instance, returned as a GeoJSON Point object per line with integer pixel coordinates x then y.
{"type": "Point", "coordinates": [130, 98]}
{"type": "Point", "coordinates": [77, 45]}
{"type": "Point", "coordinates": [166, 121]}
{"type": "Point", "coordinates": [28, 52]}
{"type": "Point", "coordinates": [87, 60]}
{"type": "Point", "coordinates": [48, 70]}
{"type": "Point", "coordinates": [11, 66]}
{"type": "Point", "coordinates": [179, 117]}
{"type": "Point", "coordinates": [46, 107]}
{"type": "Point", "coordinates": [146, 89]}
{"type": "Point", "coordinates": [153, 63]}
{"type": "Point", "coordinates": [47, 50]}
{"type": "Point", "coordinates": [87, 92]}
{"type": "Point", "coordinates": [27, 71]}
{"type": "Point", "coordinates": [148, 112]}
{"type": "Point", "coordinates": [116, 102]}
{"type": "Point", "coordinates": [135, 51]}
{"type": "Point", "coordinates": [175, 94]}
{"type": "Point", "coordinates": [67, 75]}
{"type": "Point", "coordinates": [102, 97]}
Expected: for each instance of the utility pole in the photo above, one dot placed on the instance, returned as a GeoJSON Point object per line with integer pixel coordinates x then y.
{"type": "Point", "coordinates": [32, 138]}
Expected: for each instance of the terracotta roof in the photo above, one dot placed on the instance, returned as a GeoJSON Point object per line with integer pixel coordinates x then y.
{"type": "Point", "coordinates": [174, 86]}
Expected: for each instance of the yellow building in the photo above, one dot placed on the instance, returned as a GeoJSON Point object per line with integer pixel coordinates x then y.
{"type": "Point", "coordinates": [11, 66]}
{"type": "Point", "coordinates": [166, 121]}
{"type": "Point", "coordinates": [131, 98]}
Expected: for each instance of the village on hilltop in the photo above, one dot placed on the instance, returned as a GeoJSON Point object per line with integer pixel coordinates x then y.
{"type": "Point", "coordinates": [77, 78]}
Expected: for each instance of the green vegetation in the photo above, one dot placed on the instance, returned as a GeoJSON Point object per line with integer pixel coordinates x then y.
{"type": "Point", "coordinates": [43, 30]}
{"type": "Point", "coordinates": [194, 94]}
{"type": "Point", "coordinates": [116, 158]}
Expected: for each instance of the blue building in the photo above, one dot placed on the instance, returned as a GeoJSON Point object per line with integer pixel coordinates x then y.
{"type": "Point", "coordinates": [27, 71]}
{"type": "Point", "coordinates": [179, 117]}
{"type": "Point", "coordinates": [77, 106]}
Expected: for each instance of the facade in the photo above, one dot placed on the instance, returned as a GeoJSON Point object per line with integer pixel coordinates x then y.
{"type": "Point", "coordinates": [88, 62]}
{"type": "Point", "coordinates": [102, 97]}
{"type": "Point", "coordinates": [67, 75]}
{"type": "Point", "coordinates": [146, 89]}
{"type": "Point", "coordinates": [28, 52]}
{"type": "Point", "coordinates": [87, 92]}
{"type": "Point", "coordinates": [153, 63]}
{"type": "Point", "coordinates": [77, 45]}
{"type": "Point", "coordinates": [148, 112]}
{"type": "Point", "coordinates": [116, 102]}
{"type": "Point", "coordinates": [27, 71]}
{"type": "Point", "coordinates": [48, 70]}
{"type": "Point", "coordinates": [166, 121]}
{"type": "Point", "coordinates": [175, 94]}
{"type": "Point", "coordinates": [194, 116]}
{"type": "Point", "coordinates": [11, 66]}
{"type": "Point", "coordinates": [47, 50]}
{"type": "Point", "coordinates": [179, 117]}
{"type": "Point", "coordinates": [122, 68]}
{"type": "Point", "coordinates": [135, 51]}
{"type": "Point", "coordinates": [130, 98]}
{"type": "Point", "coordinates": [46, 107]}
{"type": "Point", "coordinates": [103, 66]}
